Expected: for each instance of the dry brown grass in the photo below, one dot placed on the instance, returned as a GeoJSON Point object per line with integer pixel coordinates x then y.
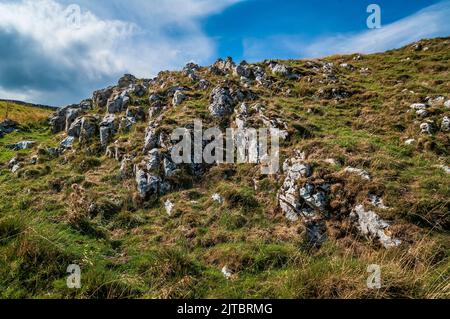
{"type": "Point", "coordinates": [22, 114]}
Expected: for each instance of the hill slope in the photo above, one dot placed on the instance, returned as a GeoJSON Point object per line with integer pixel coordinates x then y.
{"type": "Point", "coordinates": [365, 181]}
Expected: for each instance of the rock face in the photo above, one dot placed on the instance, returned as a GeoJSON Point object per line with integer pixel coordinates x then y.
{"type": "Point", "coordinates": [100, 98]}
{"type": "Point", "coordinates": [373, 227]}
{"type": "Point", "coordinates": [118, 103]}
{"type": "Point", "coordinates": [88, 130]}
{"type": "Point", "coordinates": [221, 102]}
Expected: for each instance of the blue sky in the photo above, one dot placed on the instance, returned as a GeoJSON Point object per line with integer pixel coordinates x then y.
{"type": "Point", "coordinates": [47, 58]}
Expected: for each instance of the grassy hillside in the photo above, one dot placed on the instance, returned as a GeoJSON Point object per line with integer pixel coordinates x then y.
{"type": "Point", "coordinates": [74, 209]}
{"type": "Point", "coordinates": [23, 113]}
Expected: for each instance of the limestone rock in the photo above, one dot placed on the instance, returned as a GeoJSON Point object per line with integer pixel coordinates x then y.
{"type": "Point", "coordinates": [221, 102]}
{"type": "Point", "coordinates": [373, 227]}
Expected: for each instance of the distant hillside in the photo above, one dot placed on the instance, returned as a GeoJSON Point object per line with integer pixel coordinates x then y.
{"type": "Point", "coordinates": [22, 112]}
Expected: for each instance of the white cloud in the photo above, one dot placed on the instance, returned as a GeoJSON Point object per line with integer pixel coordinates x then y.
{"type": "Point", "coordinates": [427, 23]}
{"type": "Point", "coordinates": [49, 60]}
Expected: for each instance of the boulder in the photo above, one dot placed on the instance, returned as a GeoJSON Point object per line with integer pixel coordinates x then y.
{"type": "Point", "coordinates": [100, 98]}
{"type": "Point", "coordinates": [427, 128]}
{"type": "Point", "coordinates": [89, 129]}
{"type": "Point", "coordinates": [118, 103]}
{"type": "Point", "coordinates": [75, 128]}
{"type": "Point", "coordinates": [147, 185]}
{"type": "Point", "coordinates": [221, 102]}
{"type": "Point", "coordinates": [127, 80]}
{"type": "Point", "coordinates": [178, 98]}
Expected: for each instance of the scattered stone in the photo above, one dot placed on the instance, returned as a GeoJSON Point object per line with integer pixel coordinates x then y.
{"type": "Point", "coordinates": [445, 168]}
{"type": "Point", "coordinates": [15, 168]}
{"type": "Point", "coordinates": [377, 202]}
{"type": "Point", "coordinates": [126, 168]}
{"type": "Point", "coordinates": [226, 273]}
{"type": "Point", "coordinates": [67, 142]}
{"type": "Point", "coordinates": [279, 69]}
{"type": "Point", "coordinates": [34, 160]}
{"type": "Point", "coordinates": [147, 185]}
{"type": "Point", "coordinates": [89, 129]}
{"type": "Point", "coordinates": [117, 104]}
{"type": "Point", "coordinates": [410, 141]}
{"type": "Point", "coordinates": [373, 227]}
{"type": "Point", "coordinates": [447, 104]}
{"type": "Point", "coordinates": [169, 207]}
{"type": "Point", "coordinates": [364, 174]}
{"type": "Point", "coordinates": [24, 145]}
{"type": "Point", "coordinates": [445, 125]}
{"type": "Point", "coordinates": [170, 169]}
{"type": "Point", "coordinates": [427, 128]}
{"type": "Point", "coordinates": [217, 198]}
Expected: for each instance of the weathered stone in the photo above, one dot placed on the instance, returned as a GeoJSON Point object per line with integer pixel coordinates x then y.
{"type": "Point", "coordinates": [169, 207]}
{"type": "Point", "coordinates": [170, 169]}
{"type": "Point", "coordinates": [445, 125]}
{"type": "Point", "coordinates": [373, 227]}
{"type": "Point", "coordinates": [127, 80]}
{"type": "Point", "coordinates": [100, 98]}
{"type": "Point", "coordinates": [107, 129]}
{"type": "Point", "coordinates": [427, 128]}
{"type": "Point", "coordinates": [217, 198]}
{"type": "Point", "coordinates": [221, 102]}
{"type": "Point", "coordinates": [89, 129]}
{"type": "Point", "coordinates": [75, 128]}
{"type": "Point", "coordinates": [136, 112]}
{"type": "Point", "coordinates": [178, 98]}
{"type": "Point", "coordinates": [23, 145]}
{"type": "Point", "coordinates": [364, 174]}
{"type": "Point", "coordinates": [67, 142]}
{"type": "Point", "coordinates": [154, 160]}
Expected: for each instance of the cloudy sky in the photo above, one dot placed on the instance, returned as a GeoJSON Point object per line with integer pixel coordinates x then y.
{"type": "Point", "coordinates": [51, 55]}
